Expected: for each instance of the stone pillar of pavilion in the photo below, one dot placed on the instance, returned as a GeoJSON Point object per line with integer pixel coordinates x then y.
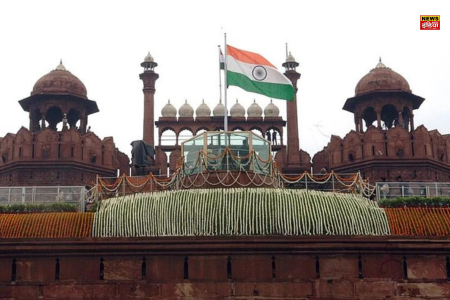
{"type": "Point", "coordinates": [293, 160]}
{"type": "Point", "coordinates": [149, 78]}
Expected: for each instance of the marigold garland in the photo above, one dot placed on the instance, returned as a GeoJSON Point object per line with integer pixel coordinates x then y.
{"type": "Point", "coordinates": [353, 183]}
{"type": "Point", "coordinates": [46, 225]}
{"type": "Point", "coordinates": [419, 221]}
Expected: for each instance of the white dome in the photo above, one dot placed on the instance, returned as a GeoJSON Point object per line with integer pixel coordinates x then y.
{"type": "Point", "coordinates": [271, 110]}
{"type": "Point", "coordinates": [203, 110]}
{"type": "Point", "coordinates": [169, 111]}
{"type": "Point", "coordinates": [290, 58]}
{"type": "Point", "coordinates": [237, 110]}
{"type": "Point", "coordinates": [219, 110]}
{"type": "Point", "coordinates": [186, 111]}
{"type": "Point", "coordinates": [149, 58]}
{"type": "Point", "coordinates": [254, 110]}
{"type": "Point", "coordinates": [61, 67]}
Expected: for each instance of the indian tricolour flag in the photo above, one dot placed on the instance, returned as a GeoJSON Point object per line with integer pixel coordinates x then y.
{"type": "Point", "coordinates": [254, 73]}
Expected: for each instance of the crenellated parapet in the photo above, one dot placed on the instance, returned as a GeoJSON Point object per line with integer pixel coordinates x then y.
{"type": "Point", "coordinates": [389, 154]}
{"type": "Point", "coordinates": [60, 158]}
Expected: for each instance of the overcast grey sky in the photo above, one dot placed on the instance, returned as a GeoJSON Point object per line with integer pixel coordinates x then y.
{"type": "Point", "coordinates": [335, 42]}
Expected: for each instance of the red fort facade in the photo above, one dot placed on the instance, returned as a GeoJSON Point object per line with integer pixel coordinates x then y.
{"type": "Point", "coordinates": [59, 149]}
{"type": "Point", "coordinates": [385, 144]}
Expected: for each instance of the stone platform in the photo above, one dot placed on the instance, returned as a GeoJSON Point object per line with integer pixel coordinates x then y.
{"type": "Point", "coordinates": [275, 267]}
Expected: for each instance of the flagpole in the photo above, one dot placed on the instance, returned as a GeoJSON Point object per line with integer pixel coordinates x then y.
{"type": "Point", "coordinates": [225, 119]}
{"type": "Point", "coordinates": [220, 74]}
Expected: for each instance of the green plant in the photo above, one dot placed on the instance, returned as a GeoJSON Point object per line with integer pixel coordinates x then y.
{"type": "Point", "coordinates": [415, 201]}
{"type": "Point", "coordinates": [29, 208]}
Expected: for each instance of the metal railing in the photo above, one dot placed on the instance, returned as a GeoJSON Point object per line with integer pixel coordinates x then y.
{"type": "Point", "coordinates": [330, 185]}
{"type": "Point", "coordinates": [107, 187]}
{"type": "Point", "coordinates": [44, 195]}
{"type": "Point", "coordinates": [388, 190]}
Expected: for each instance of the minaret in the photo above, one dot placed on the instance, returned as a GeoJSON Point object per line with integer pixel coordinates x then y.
{"type": "Point", "coordinates": [293, 145]}
{"type": "Point", "coordinates": [149, 78]}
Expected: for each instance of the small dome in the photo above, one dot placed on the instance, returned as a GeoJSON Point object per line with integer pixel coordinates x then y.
{"type": "Point", "coordinates": [290, 58]}
{"type": "Point", "coordinates": [149, 63]}
{"type": "Point", "coordinates": [381, 78]}
{"type": "Point", "coordinates": [271, 110]}
{"type": "Point", "coordinates": [254, 110]}
{"type": "Point", "coordinates": [149, 58]}
{"type": "Point", "coordinates": [169, 111]}
{"type": "Point", "coordinates": [61, 67]}
{"type": "Point", "coordinates": [186, 111]}
{"type": "Point", "coordinates": [203, 110]}
{"type": "Point", "coordinates": [237, 110]}
{"type": "Point", "coordinates": [219, 110]}
{"type": "Point", "coordinates": [60, 81]}
{"type": "Point", "coordinates": [380, 64]}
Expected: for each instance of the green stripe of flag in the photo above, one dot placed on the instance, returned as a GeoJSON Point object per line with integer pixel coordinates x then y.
{"type": "Point", "coordinates": [273, 90]}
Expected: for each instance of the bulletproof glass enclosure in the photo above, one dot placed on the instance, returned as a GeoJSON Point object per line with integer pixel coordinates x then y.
{"type": "Point", "coordinates": [241, 151]}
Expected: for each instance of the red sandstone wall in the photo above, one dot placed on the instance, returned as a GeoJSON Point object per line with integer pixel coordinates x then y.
{"type": "Point", "coordinates": [222, 268]}
{"type": "Point", "coordinates": [376, 154]}
{"type": "Point", "coordinates": [48, 157]}
{"type": "Point", "coordinates": [295, 278]}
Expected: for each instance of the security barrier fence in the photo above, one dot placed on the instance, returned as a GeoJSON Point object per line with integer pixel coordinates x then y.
{"type": "Point", "coordinates": [80, 195]}
{"type": "Point", "coordinates": [44, 195]}
{"type": "Point", "coordinates": [389, 190]}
